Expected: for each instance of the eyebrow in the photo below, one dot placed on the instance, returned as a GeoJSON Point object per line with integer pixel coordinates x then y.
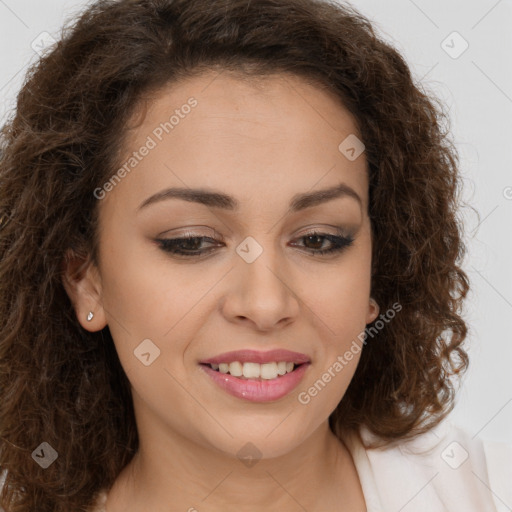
{"type": "Point", "coordinates": [220, 200]}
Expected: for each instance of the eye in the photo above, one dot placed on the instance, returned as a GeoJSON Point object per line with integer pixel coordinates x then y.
{"type": "Point", "coordinates": [191, 246]}
{"type": "Point", "coordinates": [186, 246]}
{"type": "Point", "coordinates": [316, 239]}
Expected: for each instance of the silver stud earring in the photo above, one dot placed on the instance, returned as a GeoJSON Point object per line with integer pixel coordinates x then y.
{"type": "Point", "coordinates": [89, 316]}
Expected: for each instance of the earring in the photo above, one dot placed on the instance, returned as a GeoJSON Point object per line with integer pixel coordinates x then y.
{"type": "Point", "coordinates": [89, 316]}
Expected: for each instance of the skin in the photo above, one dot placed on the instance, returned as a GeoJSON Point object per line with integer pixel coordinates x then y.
{"type": "Point", "coordinates": [261, 143]}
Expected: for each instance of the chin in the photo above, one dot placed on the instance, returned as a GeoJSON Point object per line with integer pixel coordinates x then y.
{"type": "Point", "coordinates": [261, 440]}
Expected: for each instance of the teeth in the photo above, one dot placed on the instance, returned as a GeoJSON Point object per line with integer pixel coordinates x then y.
{"type": "Point", "coordinates": [266, 371]}
{"type": "Point", "coordinates": [251, 370]}
{"type": "Point", "coordinates": [236, 369]}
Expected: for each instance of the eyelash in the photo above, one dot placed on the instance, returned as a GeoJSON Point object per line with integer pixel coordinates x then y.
{"type": "Point", "coordinates": [339, 244]}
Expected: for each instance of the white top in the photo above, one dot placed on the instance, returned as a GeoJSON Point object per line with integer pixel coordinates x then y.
{"type": "Point", "coordinates": [444, 470]}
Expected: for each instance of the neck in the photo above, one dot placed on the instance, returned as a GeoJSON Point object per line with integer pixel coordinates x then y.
{"type": "Point", "coordinates": [170, 471]}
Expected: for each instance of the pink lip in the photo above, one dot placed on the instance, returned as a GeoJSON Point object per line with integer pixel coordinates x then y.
{"type": "Point", "coordinates": [254, 356]}
{"type": "Point", "coordinates": [256, 390]}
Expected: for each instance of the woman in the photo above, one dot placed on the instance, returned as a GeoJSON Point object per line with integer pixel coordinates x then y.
{"type": "Point", "coordinates": [231, 271]}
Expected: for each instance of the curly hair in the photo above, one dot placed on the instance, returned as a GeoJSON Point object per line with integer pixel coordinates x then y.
{"type": "Point", "coordinates": [65, 386]}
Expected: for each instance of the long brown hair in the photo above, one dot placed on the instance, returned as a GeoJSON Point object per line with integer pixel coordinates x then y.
{"type": "Point", "coordinates": [65, 386]}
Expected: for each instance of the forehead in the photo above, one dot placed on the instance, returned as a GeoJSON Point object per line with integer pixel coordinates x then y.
{"type": "Point", "coordinates": [243, 135]}
{"type": "Point", "coordinates": [281, 98]}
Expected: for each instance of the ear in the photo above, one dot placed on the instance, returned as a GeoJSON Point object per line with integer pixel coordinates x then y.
{"type": "Point", "coordinates": [82, 282]}
{"type": "Point", "coordinates": [373, 311]}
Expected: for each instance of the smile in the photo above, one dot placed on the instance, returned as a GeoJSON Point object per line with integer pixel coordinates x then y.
{"type": "Point", "coordinates": [261, 388]}
{"type": "Point", "coordinates": [266, 371]}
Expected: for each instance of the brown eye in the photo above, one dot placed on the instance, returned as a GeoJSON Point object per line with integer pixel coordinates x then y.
{"type": "Point", "coordinates": [191, 245]}
{"type": "Point", "coordinates": [186, 246]}
{"type": "Point", "coordinates": [315, 240]}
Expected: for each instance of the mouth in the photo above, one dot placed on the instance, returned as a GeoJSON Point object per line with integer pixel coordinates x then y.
{"type": "Point", "coordinates": [255, 371]}
{"type": "Point", "coordinates": [256, 382]}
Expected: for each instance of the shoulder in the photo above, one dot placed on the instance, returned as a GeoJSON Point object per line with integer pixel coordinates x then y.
{"type": "Point", "coordinates": [446, 468]}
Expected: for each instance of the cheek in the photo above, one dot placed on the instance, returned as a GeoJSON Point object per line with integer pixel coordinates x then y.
{"type": "Point", "coordinates": [135, 291]}
{"type": "Point", "coordinates": [339, 298]}
{"type": "Point", "coordinates": [147, 298]}
{"type": "Point", "coordinates": [134, 297]}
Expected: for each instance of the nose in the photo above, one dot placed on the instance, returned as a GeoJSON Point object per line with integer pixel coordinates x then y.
{"type": "Point", "coordinates": [260, 293]}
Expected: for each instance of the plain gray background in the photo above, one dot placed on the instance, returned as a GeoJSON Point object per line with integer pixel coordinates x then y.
{"type": "Point", "coordinates": [476, 85]}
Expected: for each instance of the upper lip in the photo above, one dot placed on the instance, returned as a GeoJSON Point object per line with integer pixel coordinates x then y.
{"type": "Point", "coordinates": [256, 356]}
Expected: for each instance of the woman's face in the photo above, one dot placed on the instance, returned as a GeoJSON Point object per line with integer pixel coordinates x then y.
{"type": "Point", "coordinates": [252, 280]}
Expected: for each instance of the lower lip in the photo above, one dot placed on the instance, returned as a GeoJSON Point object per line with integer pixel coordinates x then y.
{"type": "Point", "coordinates": [258, 390]}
